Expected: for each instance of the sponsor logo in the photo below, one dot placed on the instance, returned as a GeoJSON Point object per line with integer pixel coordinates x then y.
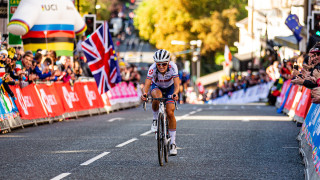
{"type": "Point", "coordinates": [303, 100]}
{"type": "Point", "coordinates": [48, 100]}
{"type": "Point", "coordinates": [21, 102]}
{"type": "Point", "coordinates": [49, 7]}
{"type": "Point", "coordinates": [69, 96]}
{"type": "Point", "coordinates": [315, 114]}
{"type": "Point", "coordinates": [151, 71]}
{"type": "Point", "coordinates": [91, 95]}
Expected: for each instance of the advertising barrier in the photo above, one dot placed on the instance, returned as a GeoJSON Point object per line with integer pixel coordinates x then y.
{"type": "Point", "coordinates": [290, 99]}
{"type": "Point", "coordinates": [252, 94]}
{"type": "Point", "coordinates": [38, 101]}
{"type": "Point", "coordinates": [303, 105]}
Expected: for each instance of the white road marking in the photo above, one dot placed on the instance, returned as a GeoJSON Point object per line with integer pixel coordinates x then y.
{"type": "Point", "coordinates": [114, 119]}
{"type": "Point", "coordinates": [146, 133]}
{"type": "Point", "coordinates": [226, 107]}
{"type": "Point", "coordinates": [94, 159]}
{"type": "Point", "coordinates": [242, 107]}
{"type": "Point", "coordinates": [258, 107]}
{"type": "Point", "coordinates": [61, 176]}
{"type": "Point", "coordinates": [198, 110]}
{"type": "Point", "coordinates": [239, 118]}
{"type": "Point", "coordinates": [192, 112]}
{"type": "Point", "coordinates": [246, 120]}
{"type": "Point", "coordinates": [127, 142]}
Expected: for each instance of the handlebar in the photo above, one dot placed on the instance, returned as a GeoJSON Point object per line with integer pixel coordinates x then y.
{"type": "Point", "coordinates": [158, 99]}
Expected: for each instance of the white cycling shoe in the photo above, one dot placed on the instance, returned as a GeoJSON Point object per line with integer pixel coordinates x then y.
{"type": "Point", "coordinates": [154, 126]}
{"type": "Point", "coordinates": [173, 150]}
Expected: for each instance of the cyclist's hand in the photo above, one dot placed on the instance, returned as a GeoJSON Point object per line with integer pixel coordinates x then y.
{"type": "Point", "coordinates": [175, 97]}
{"type": "Point", "coordinates": [144, 97]}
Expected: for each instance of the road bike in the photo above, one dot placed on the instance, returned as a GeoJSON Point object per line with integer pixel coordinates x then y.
{"type": "Point", "coordinates": [162, 134]}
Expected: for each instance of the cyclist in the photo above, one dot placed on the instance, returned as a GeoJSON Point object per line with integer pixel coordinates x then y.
{"type": "Point", "coordinates": [162, 79]}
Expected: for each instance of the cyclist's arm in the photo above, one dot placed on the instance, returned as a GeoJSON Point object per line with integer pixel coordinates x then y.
{"type": "Point", "coordinates": [176, 82]}
{"type": "Point", "coordinates": [147, 85]}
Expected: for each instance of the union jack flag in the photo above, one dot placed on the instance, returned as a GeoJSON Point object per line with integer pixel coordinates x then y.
{"type": "Point", "coordinates": [101, 58]}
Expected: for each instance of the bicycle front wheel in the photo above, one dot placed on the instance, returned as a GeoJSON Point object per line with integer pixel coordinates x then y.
{"type": "Point", "coordinates": [160, 138]}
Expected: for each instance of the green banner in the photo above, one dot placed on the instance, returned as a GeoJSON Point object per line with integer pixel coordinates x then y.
{"type": "Point", "coordinates": [13, 39]}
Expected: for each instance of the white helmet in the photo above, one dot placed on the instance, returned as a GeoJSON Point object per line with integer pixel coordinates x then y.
{"type": "Point", "coordinates": [161, 55]}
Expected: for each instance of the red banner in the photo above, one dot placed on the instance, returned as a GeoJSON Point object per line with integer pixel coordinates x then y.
{"type": "Point", "coordinates": [50, 99]}
{"type": "Point", "coordinates": [291, 96]}
{"type": "Point", "coordinates": [28, 102]}
{"type": "Point", "coordinates": [89, 95]}
{"type": "Point", "coordinates": [304, 103]}
{"type": "Point", "coordinates": [69, 98]}
{"type": "Point", "coordinates": [284, 89]}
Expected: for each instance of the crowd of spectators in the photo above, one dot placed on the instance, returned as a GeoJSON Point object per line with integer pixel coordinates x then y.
{"type": "Point", "coordinates": [307, 73]}
{"type": "Point", "coordinates": [23, 68]}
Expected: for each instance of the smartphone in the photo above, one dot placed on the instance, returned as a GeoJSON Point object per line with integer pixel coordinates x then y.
{"type": "Point", "coordinates": [296, 67]}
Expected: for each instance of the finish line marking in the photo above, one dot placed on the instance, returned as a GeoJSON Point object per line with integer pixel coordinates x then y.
{"type": "Point", "coordinates": [127, 142]}
{"type": "Point", "coordinates": [63, 175]}
{"type": "Point", "coordinates": [94, 159]}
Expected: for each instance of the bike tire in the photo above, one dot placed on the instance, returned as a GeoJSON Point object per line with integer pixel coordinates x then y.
{"type": "Point", "coordinates": [160, 139]}
{"type": "Point", "coordinates": [166, 146]}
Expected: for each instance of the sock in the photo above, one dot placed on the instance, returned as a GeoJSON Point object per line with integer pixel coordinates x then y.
{"type": "Point", "coordinates": [173, 137]}
{"type": "Point", "coordinates": [155, 114]}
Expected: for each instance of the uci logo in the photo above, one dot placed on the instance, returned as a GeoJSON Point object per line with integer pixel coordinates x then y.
{"type": "Point", "coordinates": [69, 96]}
{"type": "Point", "coordinates": [49, 7]}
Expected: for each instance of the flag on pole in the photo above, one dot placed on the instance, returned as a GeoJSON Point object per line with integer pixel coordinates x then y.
{"type": "Point", "coordinates": [101, 58]}
{"type": "Point", "coordinates": [227, 55]}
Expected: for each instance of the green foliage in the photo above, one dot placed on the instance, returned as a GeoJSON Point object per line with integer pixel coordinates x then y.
{"type": "Point", "coordinates": [212, 21]}
{"type": "Point", "coordinates": [219, 58]}
{"type": "Point", "coordinates": [107, 7]}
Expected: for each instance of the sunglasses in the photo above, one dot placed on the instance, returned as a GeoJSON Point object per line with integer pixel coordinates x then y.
{"type": "Point", "coordinates": [162, 64]}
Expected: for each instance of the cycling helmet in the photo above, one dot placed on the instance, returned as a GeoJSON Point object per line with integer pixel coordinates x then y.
{"type": "Point", "coordinates": [161, 55]}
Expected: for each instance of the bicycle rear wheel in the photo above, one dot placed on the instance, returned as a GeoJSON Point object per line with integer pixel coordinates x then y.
{"type": "Point", "coordinates": [160, 138]}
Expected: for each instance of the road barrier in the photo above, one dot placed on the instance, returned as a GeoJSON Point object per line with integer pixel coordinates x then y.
{"type": "Point", "coordinates": [251, 94]}
{"type": "Point", "coordinates": [40, 103]}
{"type": "Point", "coordinates": [295, 101]}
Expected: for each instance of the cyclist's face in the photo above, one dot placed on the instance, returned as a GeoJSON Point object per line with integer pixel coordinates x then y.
{"type": "Point", "coordinates": [162, 67]}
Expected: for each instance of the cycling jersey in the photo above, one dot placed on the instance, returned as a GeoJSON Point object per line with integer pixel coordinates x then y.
{"type": "Point", "coordinates": [166, 80]}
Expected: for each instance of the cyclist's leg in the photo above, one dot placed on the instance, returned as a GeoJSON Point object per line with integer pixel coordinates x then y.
{"type": "Point", "coordinates": [170, 113]}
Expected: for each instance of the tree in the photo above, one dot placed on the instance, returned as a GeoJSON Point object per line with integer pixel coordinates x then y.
{"type": "Point", "coordinates": [212, 21]}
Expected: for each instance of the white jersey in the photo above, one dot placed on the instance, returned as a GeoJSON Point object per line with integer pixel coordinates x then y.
{"type": "Point", "coordinates": [166, 80]}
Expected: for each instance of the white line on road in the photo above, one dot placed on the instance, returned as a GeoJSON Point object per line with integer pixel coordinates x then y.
{"type": "Point", "coordinates": [226, 107]}
{"type": "Point", "coordinates": [198, 110]}
{"type": "Point", "coordinates": [146, 133]}
{"type": "Point", "coordinates": [192, 112]}
{"type": "Point", "coordinates": [94, 159]}
{"type": "Point", "coordinates": [242, 107]}
{"type": "Point", "coordinates": [127, 142]}
{"type": "Point", "coordinates": [114, 119]}
{"type": "Point", "coordinates": [61, 176]}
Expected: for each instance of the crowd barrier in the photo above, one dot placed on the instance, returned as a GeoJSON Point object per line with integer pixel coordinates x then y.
{"type": "Point", "coordinates": [251, 94]}
{"type": "Point", "coordinates": [295, 101]}
{"type": "Point", "coordinates": [38, 103]}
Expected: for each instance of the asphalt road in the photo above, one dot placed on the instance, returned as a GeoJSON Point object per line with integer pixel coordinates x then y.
{"type": "Point", "coordinates": [215, 142]}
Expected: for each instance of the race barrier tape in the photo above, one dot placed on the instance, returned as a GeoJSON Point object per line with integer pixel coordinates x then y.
{"type": "Point", "coordinates": [60, 100]}
{"type": "Point", "coordinates": [252, 94]}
